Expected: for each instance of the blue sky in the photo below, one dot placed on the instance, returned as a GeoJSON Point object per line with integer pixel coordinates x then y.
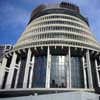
{"type": "Point", "coordinates": [15, 14]}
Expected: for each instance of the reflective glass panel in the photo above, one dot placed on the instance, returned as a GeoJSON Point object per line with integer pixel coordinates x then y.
{"type": "Point", "coordinates": [59, 77]}
{"type": "Point", "coordinates": [57, 71]}
{"type": "Point", "coordinates": [39, 75]}
{"type": "Point", "coordinates": [76, 72]}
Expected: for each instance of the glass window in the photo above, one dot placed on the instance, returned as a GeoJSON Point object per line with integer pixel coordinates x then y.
{"type": "Point", "coordinates": [21, 73]}
{"type": "Point", "coordinates": [76, 75]}
{"type": "Point", "coordinates": [4, 81]}
{"type": "Point", "coordinates": [39, 75]}
{"type": "Point", "coordinates": [60, 72]}
{"type": "Point", "coordinates": [57, 71]}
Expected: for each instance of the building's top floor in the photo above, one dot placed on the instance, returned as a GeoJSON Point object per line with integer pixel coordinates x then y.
{"type": "Point", "coordinates": [63, 7]}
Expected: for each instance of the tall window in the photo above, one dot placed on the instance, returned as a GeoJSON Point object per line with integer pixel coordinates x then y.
{"type": "Point", "coordinates": [60, 72]}
{"type": "Point", "coordinates": [76, 72]}
{"type": "Point", "coordinates": [39, 75]}
{"type": "Point", "coordinates": [5, 79]}
{"type": "Point", "coordinates": [58, 77]}
{"type": "Point", "coordinates": [21, 73]}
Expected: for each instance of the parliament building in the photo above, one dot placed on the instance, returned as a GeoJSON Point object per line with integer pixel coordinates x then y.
{"type": "Point", "coordinates": [57, 52]}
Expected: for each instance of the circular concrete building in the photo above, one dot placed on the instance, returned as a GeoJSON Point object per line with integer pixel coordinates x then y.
{"type": "Point", "coordinates": [56, 52]}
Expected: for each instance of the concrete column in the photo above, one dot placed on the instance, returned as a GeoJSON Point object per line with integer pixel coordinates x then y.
{"type": "Point", "coordinates": [67, 70]}
{"type": "Point", "coordinates": [98, 77]}
{"type": "Point", "coordinates": [47, 84]}
{"type": "Point", "coordinates": [84, 72]}
{"type": "Point", "coordinates": [69, 63]}
{"type": "Point", "coordinates": [31, 73]}
{"type": "Point", "coordinates": [27, 68]}
{"type": "Point", "coordinates": [11, 71]}
{"type": "Point", "coordinates": [89, 69]}
{"type": "Point", "coordinates": [18, 70]}
{"type": "Point", "coordinates": [2, 71]}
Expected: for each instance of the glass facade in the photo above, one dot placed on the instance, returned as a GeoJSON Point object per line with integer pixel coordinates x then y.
{"type": "Point", "coordinates": [4, 81]}
{"type": "Point", "coordinates": [39, 75]}
{"type": "Point", "coordinates": [76, 72]}
{"type": "Point", "coordinates": [21, 73]}
{"type": "Point", "coordinates": [60, 72]}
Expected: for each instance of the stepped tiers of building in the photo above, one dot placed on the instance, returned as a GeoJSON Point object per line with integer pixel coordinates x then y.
{"type": "Point", "coordinates": [56, 52]}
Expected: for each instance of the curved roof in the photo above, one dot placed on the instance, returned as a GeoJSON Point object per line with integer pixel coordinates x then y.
{"type": "Point", "coordinates": [70, 8]}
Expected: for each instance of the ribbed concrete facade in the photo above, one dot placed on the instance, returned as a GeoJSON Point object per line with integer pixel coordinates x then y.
{"type": "Point", "coordinates": [57, 51]}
